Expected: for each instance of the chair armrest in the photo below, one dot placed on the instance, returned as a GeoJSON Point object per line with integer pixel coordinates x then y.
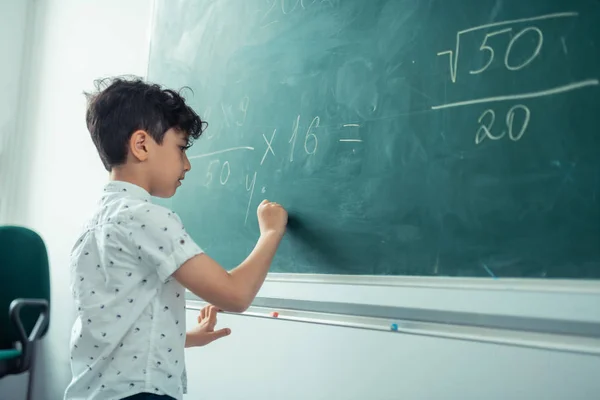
{"type": "Point", "coordinates": [37, 332]}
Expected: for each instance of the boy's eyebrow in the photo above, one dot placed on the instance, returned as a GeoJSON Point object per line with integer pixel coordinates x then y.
{"type": "Point", "coordinates": [184, 136]}
{"type": "Point", "coordinates": [186, 140]}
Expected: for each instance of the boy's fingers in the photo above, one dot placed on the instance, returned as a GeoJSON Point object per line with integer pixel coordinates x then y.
{"type": "Point", "coordinates": [214, 308]}
{"type": "Point", "coordinates": [220, 333]}
{"type": "Point", "coordinates": [203, 313]}
{"type": "Point", "coordinates": [212, 313]}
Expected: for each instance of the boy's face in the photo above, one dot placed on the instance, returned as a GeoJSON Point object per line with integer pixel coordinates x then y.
{"type": "Point", "coordinates": [168, 163]}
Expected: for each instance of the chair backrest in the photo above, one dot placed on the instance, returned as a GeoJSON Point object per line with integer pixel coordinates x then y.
{"type": "Point", "coordinates": [24, 273]}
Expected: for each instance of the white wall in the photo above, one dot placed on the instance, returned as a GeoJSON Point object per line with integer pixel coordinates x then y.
{"type": "Point", "coordinates": [74, 42]}
{"type": "Point", "coordinates": [12, 39]}
{"type": "Point", "coordinates": [77, 41]}
{"type": "Point", "coordinates": [13, 18]}
{"type": "Point", "coordinates": [271, 359]}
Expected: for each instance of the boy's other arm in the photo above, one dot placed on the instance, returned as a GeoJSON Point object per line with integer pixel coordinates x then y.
{"type": "Point", "coordinates": [234, 291]}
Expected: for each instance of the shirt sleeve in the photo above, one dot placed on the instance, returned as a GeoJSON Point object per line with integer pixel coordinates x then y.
{"type": "Point", "coordinates": [162, 240]}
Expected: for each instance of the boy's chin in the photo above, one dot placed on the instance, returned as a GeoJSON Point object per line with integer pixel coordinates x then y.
{"type": "Point", "coordinates": [167, 191]}
{"type": "Point", "coordinates": [165, 194]}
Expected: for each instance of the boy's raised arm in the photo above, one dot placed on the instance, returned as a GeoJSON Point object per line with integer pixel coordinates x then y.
{"type": "Point", "coordinates": [235, 290]}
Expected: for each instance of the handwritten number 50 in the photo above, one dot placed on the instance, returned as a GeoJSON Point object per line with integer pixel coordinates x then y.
{"type": "Point", "coordinates": [490, 51]}
{"type": "Point", "coordinates": [223, 175]}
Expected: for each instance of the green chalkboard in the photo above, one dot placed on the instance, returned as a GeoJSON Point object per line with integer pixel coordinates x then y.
{"type": "Point", "coordinates": [405, 137]}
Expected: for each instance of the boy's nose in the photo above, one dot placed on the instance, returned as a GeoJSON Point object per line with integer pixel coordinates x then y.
{"type": "Point", "coordinates": [186, 164]}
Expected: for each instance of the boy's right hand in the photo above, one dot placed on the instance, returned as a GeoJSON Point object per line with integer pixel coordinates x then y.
{"type": "Point", "coordinates": [272, 217]}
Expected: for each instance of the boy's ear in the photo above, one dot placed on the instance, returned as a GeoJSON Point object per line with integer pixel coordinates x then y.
{"type": "Point", "coordinates": [139, 144]}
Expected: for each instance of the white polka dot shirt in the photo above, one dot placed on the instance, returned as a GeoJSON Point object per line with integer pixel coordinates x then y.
{"type": "Point", "coordinates": [129, 335]}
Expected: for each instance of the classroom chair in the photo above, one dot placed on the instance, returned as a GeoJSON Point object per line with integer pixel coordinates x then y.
{"type": "Point", "coordinates": [24, 299]}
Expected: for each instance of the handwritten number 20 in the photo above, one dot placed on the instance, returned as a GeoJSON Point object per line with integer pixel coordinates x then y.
{"type": "Point", "coordinates": [488, 117]}
{"type": "Point", "coordinates": [485, 129]}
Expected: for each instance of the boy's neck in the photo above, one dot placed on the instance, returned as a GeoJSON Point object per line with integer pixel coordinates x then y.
{"type": "Point", "coordinates": [127, 175]}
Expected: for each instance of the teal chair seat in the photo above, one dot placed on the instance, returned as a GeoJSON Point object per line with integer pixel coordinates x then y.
{"type": "Point", "coordinates": [24, 299]}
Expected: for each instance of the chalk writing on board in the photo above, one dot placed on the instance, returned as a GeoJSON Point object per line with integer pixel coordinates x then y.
{"type": "Point", "coordinates": [294, 137]}
{"type": "Point", "coordinates": [310, 135]}
{"type": "Point", "coordinates": [539, 37]}
{"type": "Point", "coordinates": [209, 171]}
{"type": "Point", "coordinates": [269, 147]}
{"type": "Point", "coordinates": [223, 173]}
{"type": "Point", "coordinates": [217, 170]}
{"type": "Point", "coordinates": [206, 115]}
{"type": "Point", "coordinates": [243, 107]}
{"type": "Point", "coordinates": [221, 179]}
{"type": "Point", "coordinates": [310, 139]}
{"type": "Point", "coordinates": [351, 140]}
{"type": "Point", "coordinates": [510, 116]}
{"type": "Point", "coordinates": [249, 188]}
{"type": "Point", "coordinates": [488, 118]}
{"type": "Point", "coordinates": [307, 3]}
{"type": "Point", "coordinates": [239, 117]}
{"type": "Point", "coordinates": [488, 49]}
{"type": "Point", "coordinates": [286, 7]}
{"type": "Point", "coordinates": [221, 151]}
{"type": "Point", "coordinates": [526, 32]}
{"type": "Point", "coordinates": [453, 55]}
{"type": "Point", "coordinates": [528, 95]}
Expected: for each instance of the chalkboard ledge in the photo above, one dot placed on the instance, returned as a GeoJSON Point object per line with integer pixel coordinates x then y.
{"type": "Point", "coordinates": [510, 284]}
{"type": "Point", "coordinates": [553, 335]}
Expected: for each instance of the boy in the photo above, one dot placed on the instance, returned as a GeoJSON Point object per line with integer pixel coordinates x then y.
{"type": "Point", "coordinates": [134, 259]}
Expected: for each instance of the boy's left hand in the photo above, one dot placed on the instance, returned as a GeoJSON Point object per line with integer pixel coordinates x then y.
{"type": "Point", "coordinates": [204, 333]}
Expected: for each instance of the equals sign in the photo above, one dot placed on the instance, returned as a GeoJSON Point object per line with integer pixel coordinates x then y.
{"type": "Point", "coordinates": [351, 140]}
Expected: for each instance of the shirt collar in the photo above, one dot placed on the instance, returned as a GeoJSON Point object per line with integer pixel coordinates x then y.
{"type": "Point", "coordinates": [127, 188]}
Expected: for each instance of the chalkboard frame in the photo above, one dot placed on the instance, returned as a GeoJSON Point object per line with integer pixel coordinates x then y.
{"type": "Point", "coordinates": [560, 298]}
{"type": "Point", "coordinates": [478, 283]}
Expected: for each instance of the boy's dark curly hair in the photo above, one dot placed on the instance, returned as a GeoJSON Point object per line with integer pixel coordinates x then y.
{"type": "Point", "coordinates": [123, 105]}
